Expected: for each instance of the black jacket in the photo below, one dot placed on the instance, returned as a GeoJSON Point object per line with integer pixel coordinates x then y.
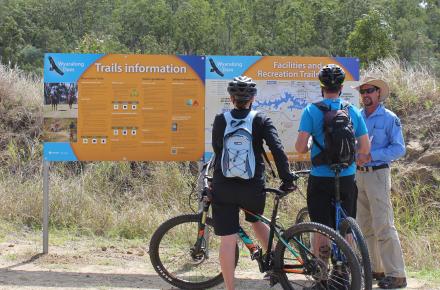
{"type": "Point", "coordinates": [262, 129]}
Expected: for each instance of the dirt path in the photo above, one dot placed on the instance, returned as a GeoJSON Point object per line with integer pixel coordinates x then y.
{"type": "Point", "coordinates": [87, 264]}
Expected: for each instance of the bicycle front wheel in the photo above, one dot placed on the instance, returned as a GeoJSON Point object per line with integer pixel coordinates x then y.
{"type": "Point", "coordinates": [302, 216]}
{"type": "Point", "coordinates": [299, 267]}
{"type": "Point", "coordinates": [350, 230]}
{"type": "Point", "coordinates": [172, 253]}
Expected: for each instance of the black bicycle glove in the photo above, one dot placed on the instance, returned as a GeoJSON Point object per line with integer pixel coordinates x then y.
{"type": "Point", "coordinates": [287, 187]}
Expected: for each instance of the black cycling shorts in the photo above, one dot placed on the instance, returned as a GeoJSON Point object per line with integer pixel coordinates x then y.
{"type": "Point", "coordinates": [321, 195]}
{"type": "Point", "coordinates": [228, 198]}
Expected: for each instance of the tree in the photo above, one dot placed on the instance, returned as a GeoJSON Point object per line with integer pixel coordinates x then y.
{"type": "Point", "coordinates": [192, 27]}
{"type": "Point", "coordinates": [371, 38]}
{"type": "Point", "coordinates": [135, 19]}
{"type": "Point", "coordinates": [11, 36]}
{"type": "Point", "coordinates": [90, 43]}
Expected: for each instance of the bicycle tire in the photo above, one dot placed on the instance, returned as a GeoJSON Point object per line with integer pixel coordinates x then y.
{"type": "Point", "coordinates": [350, 225]}
{"type": "Point", "coordinates": [302, 216]}
{"type": "Point", "coordinates": [173, 240]}
{"type": "Point", "coordinates": [319, 271]}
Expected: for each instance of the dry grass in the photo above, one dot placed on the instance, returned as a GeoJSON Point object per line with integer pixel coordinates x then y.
{"type": "Point", "coordinates": [104, 199]}
{"type": "Point", "coordinates": [417, 218]}
{"type": "Point", "coordinates": [413, 88]}
{"type": "Point", "coordinates": [20, 120]}
{"type": "Point", "coordinates": [131, 199]}
{"type": "Point", "coordinates": [415, 96]}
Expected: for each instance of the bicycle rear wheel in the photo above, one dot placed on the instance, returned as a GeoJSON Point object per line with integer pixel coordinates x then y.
{"type": "Point", "coordinates": [357, 242]}
{"type": "Point", "coordinates": [308, 271]}
{"type": "Point", "coordinates": [172, 253]}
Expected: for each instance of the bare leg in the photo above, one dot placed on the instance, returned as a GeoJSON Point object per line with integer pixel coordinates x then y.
{"type": "Point", "coordinates": [227, 259]}
{"type": "Point", "coordinates": [262, 232]}
{"type": "Point", "coordinates": [321, 247]}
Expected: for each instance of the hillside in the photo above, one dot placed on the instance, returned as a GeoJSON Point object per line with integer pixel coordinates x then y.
{"type": "Point", "coordinates": [129, 200]}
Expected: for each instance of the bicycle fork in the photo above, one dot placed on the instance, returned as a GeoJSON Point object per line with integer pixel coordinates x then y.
{"type": "Point", "coordinates": [200, 250]}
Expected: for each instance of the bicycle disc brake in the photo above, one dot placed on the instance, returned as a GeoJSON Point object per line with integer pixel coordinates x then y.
{"type": "Point", "coordinates": [318, 269]}
{"type": "Point", "coordinates": [198, 252]}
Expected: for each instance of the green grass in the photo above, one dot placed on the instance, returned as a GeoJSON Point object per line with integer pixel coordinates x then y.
{"type": "Point", "coordinates": [428, 275]}
{"type": "Point", "coordinates": [10, 257]}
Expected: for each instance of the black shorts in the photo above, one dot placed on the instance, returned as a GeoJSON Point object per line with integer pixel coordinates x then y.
{"type": "Point", "coordinates": [228, 198]}
{"type": "Point", "coordinates": [321, 196]}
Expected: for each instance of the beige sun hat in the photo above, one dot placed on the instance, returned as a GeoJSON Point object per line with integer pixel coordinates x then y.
{"type": "Point", "coordinates": [382, 85]}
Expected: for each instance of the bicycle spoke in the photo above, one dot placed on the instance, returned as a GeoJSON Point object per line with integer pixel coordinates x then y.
{"type": "Point", "coordinates": [320, 267]}
{"type": "Point", "coordinates": [181, 259]}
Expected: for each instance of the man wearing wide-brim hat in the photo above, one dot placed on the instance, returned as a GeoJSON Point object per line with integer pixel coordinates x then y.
{"type": "Point", "coordinates": [374, 209]}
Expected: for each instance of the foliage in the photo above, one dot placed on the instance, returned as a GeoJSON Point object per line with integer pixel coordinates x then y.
{"type": "Point", "coordinates": [371, 38]}
{"type": "Point", "coordinates": [408, 29]}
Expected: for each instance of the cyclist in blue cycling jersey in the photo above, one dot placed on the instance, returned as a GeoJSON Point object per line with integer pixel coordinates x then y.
{"type": "Point", "coordinates": [321, 183]}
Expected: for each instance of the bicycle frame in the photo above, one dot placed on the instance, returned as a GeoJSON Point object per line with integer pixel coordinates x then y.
{"type": "Point", "coordinates": [255, 252]}
{"type": "Point", "coordinates": [201, 246]}
{"type": "Point", "coordinates": [275, 232]}
{"type": "Point", "coordinates": [340, 213]}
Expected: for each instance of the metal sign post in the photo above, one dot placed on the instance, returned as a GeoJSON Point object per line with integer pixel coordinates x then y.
{"type": "Point", "coordinates": [46, 165]}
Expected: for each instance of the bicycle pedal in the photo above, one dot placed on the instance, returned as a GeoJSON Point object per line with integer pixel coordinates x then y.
{"type": "Point", "coordinates": [273, 282]}
{"type": "Point", "coordinates": [272, 277]}
{"type": "Point", "coordinates": [256, 254]}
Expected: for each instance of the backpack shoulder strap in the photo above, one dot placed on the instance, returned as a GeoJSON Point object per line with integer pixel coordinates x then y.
{"type": "Point", "coordinates": [250, 119]}
{"type": "Point", "coordinates": [252, 114]}
{"type": "Point", "coordinates": [228, 118]}
{"type": "Point", "coordinates": [345, 105]}
{"type": "Point", "coordinates": [268, 162]}
{"type": "Point", "coordinates": [317, 143]}
{"type": "Point", "coordinates": [322, 106]}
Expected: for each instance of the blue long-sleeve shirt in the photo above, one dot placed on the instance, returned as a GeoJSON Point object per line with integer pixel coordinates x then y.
{"type": "Point", "coordinates": [386, 137]}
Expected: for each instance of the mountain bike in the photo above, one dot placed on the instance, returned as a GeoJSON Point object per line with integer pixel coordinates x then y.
{"type": "Point", "coordinates": [184, 251]}
{"type": "Point", "coordinates": [349, 229]}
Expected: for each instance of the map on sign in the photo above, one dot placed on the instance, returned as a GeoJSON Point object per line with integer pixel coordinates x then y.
{"type": "Point", "coordinates": [284, 101]}
{"type": "Point", "coordinates": [280, 98]}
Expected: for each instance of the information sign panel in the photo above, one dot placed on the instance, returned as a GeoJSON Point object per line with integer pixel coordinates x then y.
{"type": "Point", "coordinates": [285, 85]}
{"type": "Point", "coordinates": [123, 107]}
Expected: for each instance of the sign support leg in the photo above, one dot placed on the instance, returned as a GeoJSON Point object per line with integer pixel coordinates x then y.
{"type": "Point", "coordinates": [46, 165]}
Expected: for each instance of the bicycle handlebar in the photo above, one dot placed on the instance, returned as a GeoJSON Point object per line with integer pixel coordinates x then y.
{"type": "Point", "coordinates": [302, 172]}
{"type": "Point", "coordinates": [278, 192]}
{"type": "Point", "coordinates": [297, 174]}
{"type": "Point", "coordinates": [207, 179]}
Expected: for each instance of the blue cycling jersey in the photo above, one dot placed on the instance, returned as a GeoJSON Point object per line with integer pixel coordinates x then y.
{"type": "Point", "coordinates": [312, 122]}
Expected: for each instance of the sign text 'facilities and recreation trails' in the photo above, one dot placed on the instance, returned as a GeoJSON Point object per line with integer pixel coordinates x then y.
{"type": "Point", "coordinates": [291, 69]}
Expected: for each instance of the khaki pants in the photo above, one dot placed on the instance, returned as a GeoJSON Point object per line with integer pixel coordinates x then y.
{"type": "Point", "coordinates": [376, 220]}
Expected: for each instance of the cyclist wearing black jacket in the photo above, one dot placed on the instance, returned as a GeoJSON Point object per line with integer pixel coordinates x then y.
{"type": "Point", "coordinates": [229, 194]}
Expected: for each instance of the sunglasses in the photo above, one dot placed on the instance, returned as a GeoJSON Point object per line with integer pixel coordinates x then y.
{"type": "Point", "coordinates": [368, 91]}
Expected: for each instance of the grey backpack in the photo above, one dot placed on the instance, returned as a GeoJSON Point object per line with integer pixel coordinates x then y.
{"type": "Point", "coordinates": [238, 158]}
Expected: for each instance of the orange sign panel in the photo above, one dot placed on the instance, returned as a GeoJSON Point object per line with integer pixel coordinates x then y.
{"type": "Point", "coordinates": [140, 107]}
